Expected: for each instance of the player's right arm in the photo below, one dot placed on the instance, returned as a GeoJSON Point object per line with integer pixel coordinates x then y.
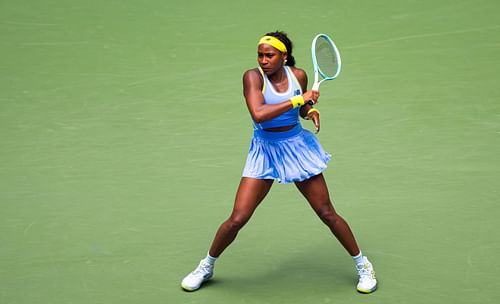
{"type": "Point", "coordinates": [252, 90]}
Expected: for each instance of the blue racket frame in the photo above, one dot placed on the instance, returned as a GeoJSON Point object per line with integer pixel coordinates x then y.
{"type": "Point", "coordinates": [317, 68]}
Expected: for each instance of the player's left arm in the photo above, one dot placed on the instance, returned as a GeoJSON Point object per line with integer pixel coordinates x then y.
{"type": "Point", "coordinates": [305, 110]}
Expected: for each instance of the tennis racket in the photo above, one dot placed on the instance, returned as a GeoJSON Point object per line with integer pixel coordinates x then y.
{"type": "Point", "coordinates": [326, 61]}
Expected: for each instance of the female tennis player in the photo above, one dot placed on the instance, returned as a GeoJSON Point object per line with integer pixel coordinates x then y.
{"type": "Point", "coordinates": [281, 150]}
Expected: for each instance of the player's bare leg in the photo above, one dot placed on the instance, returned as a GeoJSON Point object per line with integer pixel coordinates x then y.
{"type": "Point", "coordinates": [315, 191]}
{"type": "Point", "coordinates": [250, 194]}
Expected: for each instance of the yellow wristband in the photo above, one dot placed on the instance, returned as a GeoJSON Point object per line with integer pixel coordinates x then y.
{"type": "Point", "coordinates": [297, 101]}
{"type": "Point", "coordinates": [312, 110]}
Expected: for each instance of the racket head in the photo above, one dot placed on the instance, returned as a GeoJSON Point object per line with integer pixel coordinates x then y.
{"type": "Point", "coordinates": [325, 57]}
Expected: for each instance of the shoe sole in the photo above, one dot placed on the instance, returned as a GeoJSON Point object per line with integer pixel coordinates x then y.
{"type": "Point", "coordinates": [198, 287]}
{"type": "Point", "coordinates": [367, 291]}
{"type": "Point", "coordinates": [189, 289]}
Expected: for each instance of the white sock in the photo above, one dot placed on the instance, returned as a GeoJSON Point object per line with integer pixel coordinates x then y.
{"type": "Point", "coordinates": [358, 259]}
{"type": "Point", "coordinates": [210, 260]}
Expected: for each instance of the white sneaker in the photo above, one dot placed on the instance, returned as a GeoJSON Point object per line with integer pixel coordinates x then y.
{"type": "Point", "coordinates": [202, 273]}
{"type": "Point", "coordinates": [367, 281]}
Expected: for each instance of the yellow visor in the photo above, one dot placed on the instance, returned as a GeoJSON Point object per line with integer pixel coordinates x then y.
{"type": "Point", "coordinates": [274, 42]}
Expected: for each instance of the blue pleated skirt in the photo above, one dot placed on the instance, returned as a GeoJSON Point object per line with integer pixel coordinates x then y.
{"type": "Point", "coordinates": [291, 156]}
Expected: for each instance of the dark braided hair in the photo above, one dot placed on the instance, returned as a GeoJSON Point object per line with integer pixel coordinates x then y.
{"type": "Point", "coordinates": [282, 36]}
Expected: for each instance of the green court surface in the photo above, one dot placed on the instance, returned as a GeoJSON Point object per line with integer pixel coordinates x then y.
{"type": "Point", "coordinates": [124, 132]}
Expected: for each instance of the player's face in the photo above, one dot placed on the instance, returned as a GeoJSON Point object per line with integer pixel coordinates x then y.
{"type": "Point", "coordinates": [270, 59]}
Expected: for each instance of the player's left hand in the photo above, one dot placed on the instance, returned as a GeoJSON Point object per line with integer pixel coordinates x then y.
{"type": "Point", "coordinates": [314, 116]}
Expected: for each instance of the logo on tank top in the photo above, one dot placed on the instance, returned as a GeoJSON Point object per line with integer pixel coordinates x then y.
{"type": "Point", "coordinates": [296, 93]}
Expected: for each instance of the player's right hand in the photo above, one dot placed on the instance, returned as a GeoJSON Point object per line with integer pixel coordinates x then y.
{"type": "Point", "coordinates": [311, 96]}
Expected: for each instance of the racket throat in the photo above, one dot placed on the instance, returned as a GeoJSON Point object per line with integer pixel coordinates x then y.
{"type": "Point", "coordinates": [315, 86]}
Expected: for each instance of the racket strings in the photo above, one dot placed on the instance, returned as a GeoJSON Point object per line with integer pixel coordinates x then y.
{"type": "Point", "coordinates": [326, 58]}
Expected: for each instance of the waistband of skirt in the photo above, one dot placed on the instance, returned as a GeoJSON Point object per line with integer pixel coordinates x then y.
{"type": "Point", "coordinates": [268, 135]}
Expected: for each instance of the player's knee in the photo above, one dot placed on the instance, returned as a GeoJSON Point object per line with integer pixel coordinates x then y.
{"type": "Point", "coordinates": [328, 216]}
{"type": "Point", "coordinates": [237, 222]}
